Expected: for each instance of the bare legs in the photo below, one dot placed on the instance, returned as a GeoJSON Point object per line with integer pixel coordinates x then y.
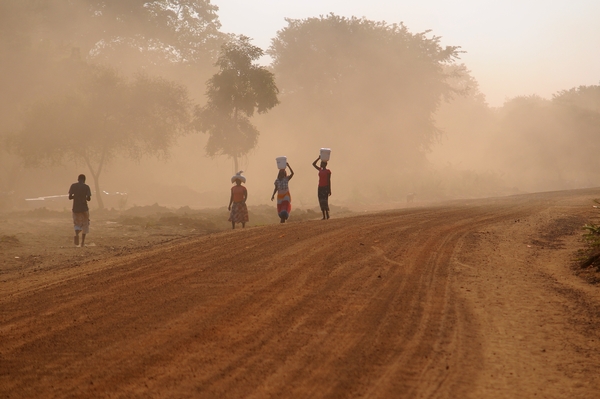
{"type": "Point", "coordinates": [283, 216]}
{"type": "Point", "coordinates": [76, 238]}
{"type": "Point", "coordinates": [233, 225]}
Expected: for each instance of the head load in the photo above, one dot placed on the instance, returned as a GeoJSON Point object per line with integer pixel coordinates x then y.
{"type": "Point", "coordinates": [238, 176]}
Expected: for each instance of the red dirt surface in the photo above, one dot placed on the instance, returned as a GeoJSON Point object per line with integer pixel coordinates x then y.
{"type": "Point", "coordinates": [471, 299]}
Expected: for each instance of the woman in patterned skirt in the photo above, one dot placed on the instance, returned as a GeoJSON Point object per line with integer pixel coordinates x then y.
{"type": "Point", "coordinates": [284, 199]}
{"type": "Point", "coordinates": [237, 201]}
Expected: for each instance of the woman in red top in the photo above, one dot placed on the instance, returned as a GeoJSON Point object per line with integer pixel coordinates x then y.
{"type": "Point", "coordinates": [239, 195]}
{"type": "Point", "coordinates": [324, 190]}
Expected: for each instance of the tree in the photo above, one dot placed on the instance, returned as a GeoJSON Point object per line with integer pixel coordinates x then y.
{"type": "Point", "coordinates": [467, 123]}
{"type": "Point", "coordinates": [577, 112]}
{"type": "Point", "coordinates": [177, 39]}
{"type": "Point", "coordinates": [550, 144]}
{"type": "Point", "coordinates": [26, 64]}
{"type": "Point", "coordinates": [366, 87]}
{"type": "Point", "coordinates": [101, 116]}
{"type": "Point", "coordinates": [240, 88]}
{"type": "Point", "coordinates": [185, 29]}
{"type": "Point", "coordinates": [156, 33]}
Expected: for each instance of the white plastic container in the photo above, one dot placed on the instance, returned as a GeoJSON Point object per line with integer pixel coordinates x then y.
{"type": "Point", "coordinates": [281, 162]}
{"type": "Point", "coordinates": [325, 153]}
{"type": "Point", "coordinates": [239, 176]}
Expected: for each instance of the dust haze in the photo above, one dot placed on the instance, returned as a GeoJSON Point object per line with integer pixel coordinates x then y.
{"type": "Point", "coordinates": [395, 124]}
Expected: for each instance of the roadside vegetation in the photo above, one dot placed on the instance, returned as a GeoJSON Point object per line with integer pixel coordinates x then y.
{"type": "Point", "coordinates": [209, 220]}
{"type": "Point", "coordinates": [590, 256]}
{"type": "Point", "coordinates": [190, 221]}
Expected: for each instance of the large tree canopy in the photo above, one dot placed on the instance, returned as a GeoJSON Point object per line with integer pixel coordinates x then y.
{"type": "Point", "coordinates": [185, 29]}
{"type": "Point", "coordinates": [358, 81]}
{"type": "Point", "coordinates": [240, 88]}
{"type": "Point", "coordinates": [176, 39]}
{"type": "Point", "coordinates": [101, 116]}
{"type": "Point", "coordinates": [157, 33]}
{"type": "Point", "coordinates": [129, 35]}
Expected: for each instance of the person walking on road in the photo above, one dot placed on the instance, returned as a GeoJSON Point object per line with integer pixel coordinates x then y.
{"type": "Point", "coordinates": [324, 189]}
{"type": "Point", "coordinates": [284, 199]}
{"type": "Point", "coordinates": [80, 193]}
{"type": "Point", "coordinates": [237, 201]}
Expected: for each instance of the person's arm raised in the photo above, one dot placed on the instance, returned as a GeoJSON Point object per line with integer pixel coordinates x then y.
{"type": "Point", "coordinates": [315, 163]}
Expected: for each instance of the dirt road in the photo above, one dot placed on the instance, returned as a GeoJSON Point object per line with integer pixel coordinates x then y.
{"type": "Point", "coordinates": [464, 300]}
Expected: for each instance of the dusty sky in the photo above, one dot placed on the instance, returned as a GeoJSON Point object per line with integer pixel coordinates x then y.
{"type": "Point", "coordinates": [514, 47]}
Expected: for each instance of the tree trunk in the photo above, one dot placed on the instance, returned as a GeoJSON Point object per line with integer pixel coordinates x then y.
{"type": "Point", "coordinates": [98, 192]}
{"type": "Point", "coordinates": [96, 177]}
{"type": "Point", "coordinates": [235, 157]}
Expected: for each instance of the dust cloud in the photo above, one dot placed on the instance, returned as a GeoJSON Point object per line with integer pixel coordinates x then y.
{"type": "Point", "coordinates": [394, 126]}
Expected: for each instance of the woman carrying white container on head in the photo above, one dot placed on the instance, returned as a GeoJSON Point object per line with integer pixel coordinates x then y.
{"type": "Point", "coordinates": [284, 199]}
{"type": "Point", "coordinates": [324, 189]}
{"type": "Point", "coordinates": [237, 201]}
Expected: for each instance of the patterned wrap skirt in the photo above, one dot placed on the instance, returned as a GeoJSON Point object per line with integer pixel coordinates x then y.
{"type": "Point", "coordinates": [81, 222]}
{"type": "Point", "coordinates": [323, 194]}
{"type": "Point", "coordinates": [239, 212]}
{"type": "Point", "coordinates": [284, 204]}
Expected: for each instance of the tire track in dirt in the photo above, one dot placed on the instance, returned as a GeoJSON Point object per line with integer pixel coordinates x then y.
{"type": "Point", "coordinates": [131, 275]}
{"type": "Point", "coordinates": [430, 348]}
{"type": "Point", "coordinates": [354, 307]}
